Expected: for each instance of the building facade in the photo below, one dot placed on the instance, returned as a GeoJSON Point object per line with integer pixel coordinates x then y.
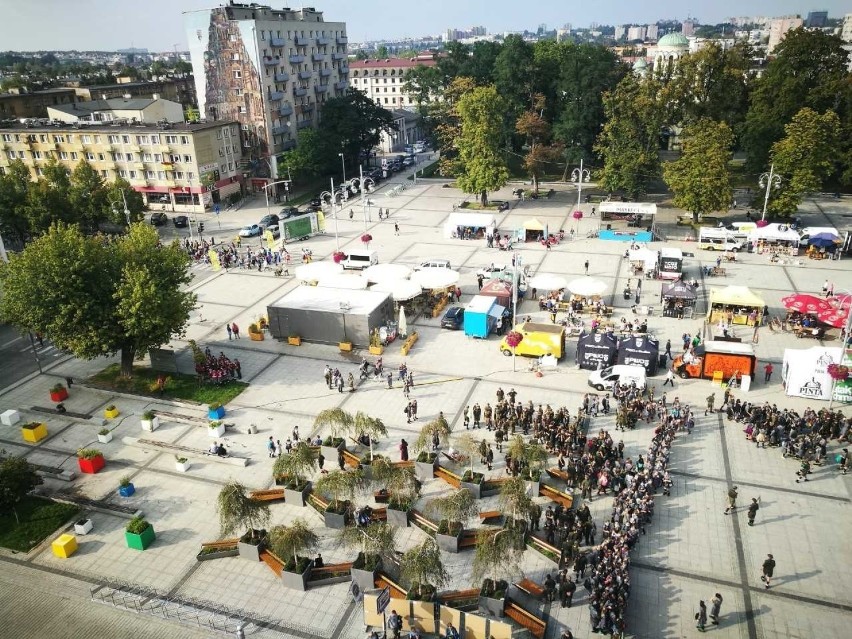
{"type": "Point", "coordinates": [177, 89]}
{"type": "Point", "coordinates": [268, 69]}
{"type": "Point", "coordinates": [846, 29]}
{"type": "Point", "coordinates": [176, 167]}
{"type": "Point", "coordinates": [383, 80]}
{"type": "Point", "coordinates": [24, 104]}
{"type": "Point", "coordinates": [778, 28]}
{"type": "Point", "coordinates": [142, 110]}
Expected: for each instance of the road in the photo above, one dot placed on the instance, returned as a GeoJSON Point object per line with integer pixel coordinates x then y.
{"type": "Point", "coordinates": [18, 357]}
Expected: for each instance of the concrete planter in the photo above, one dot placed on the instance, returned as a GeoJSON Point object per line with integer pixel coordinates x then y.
{"type": "Point", "coordinates": [182, 467]}
{"type": "Point", "coordinates": [83, 527]}
{"type": "Point", "coordinates": [475, 489]}
{"type": "Point", "coordinates": [251, 551]}
{"type": "Point", "coordinates": [127, 491]}
{"type": "Point", "coordinates": [493, 607]}
{"type": "Point", "coordinates": [150, 424]}
{"type": "Point", "coordinates": [450, 543]}
{"type": "Point", "coordinates": [398, 518]}
{"type": "Point", "coordinates": [293, 497]}
{"type": "Point", "coordinates": [214, 414]}
{"type": "Point", "coordinates": [216, 431]}
{"type": "Point", "coordinates": [366, 579]}
{"type": "Point", "coordinates": [424, 470]}
{"type": "Point", "coordinates": [532, 487]}
{"type": "Point", "coordinates": [330, 452]}
{"type": "Point", "coordinates": [142, 540]}
{"type": "Point", "coordinates": [335, 521]}
{"type": "Point", "coordinates": [105, 439]}
{"type": "Point", "coordinates": [294, 580]}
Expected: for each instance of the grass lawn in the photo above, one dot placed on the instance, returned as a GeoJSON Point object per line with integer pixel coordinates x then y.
{"type": "Point", "coordinates": [39, 519]}
{"type": "Point", "coordinates": [178, 386]}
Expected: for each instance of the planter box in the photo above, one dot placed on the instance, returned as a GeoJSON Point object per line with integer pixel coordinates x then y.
{"type": "Point", "coordinates": [10, 417]}
{"type": "Point", "coordinates": [250, 551]}
{"type": "Point", "coordinates": [105, 439]}
{"type": "Point", "coordinates": [294, 497]}
{"type": "Point", "coordinates": [34, 433]}
{"type": "Point", "coordinates": [366, 579]}
{"type": "Point", "coordinates": [377, 350]}
{"type": "Point", "coordinates": [330, 452]}
{"type": "Point", "coordinates": [493, 607]}
{"type": "Point", "coordinates": [142, 540]}
{"type": "Point", "coordinates": [182, 467]}
{"type": "Point", "coordinates": [111, 414]}
{"type": "Point", "coordinates": [532, 488]}
{"type": "Point", "coordinates": [296, 581]}
{"type": "Point", "coordinates": [424, 470]}
{"type": "Point", "coordinates": [59, 396]}
{"type": "Point", "coordinates": [215, 414]}
{"type": "Point", "coordinates": [345, 347]}
{"type": "Point", "coordinates": [217, 555]}
{"type": "Point", "coordinates": [256, 337]}
{"type": "Point", "coordinates": [398, 518]}
{"type": "Point", "coordinates": [91, 466]}
{"type": "Point", "coordinates": [150, 424]}
{"type": "Point", "coordinates": [475, 489]}
{"type": "Point", "coordinates": [126, 491]}
{"type": "Point", "coordinates": [335, 521]}
{"type": "Point", "coordinates": [294, 340]}
{"type": "Point", "coordinates": [217, 432]}
{"type": "Point", "coordinates": [449, 543]}
{"type": "Point", "coordinates": [83, 527]}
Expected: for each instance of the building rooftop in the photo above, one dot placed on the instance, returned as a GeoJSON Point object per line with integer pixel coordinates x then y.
{"type": "Point", "coordinates": [115, 104]}
{"type": "Point", "coordinates": [42, 124]}
{"type": "Point", "coordinates": [673, 40]}
{"type": "Point", "coordinates": [388, 63]}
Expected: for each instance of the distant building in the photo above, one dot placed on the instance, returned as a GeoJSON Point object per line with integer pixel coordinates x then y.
{"type": "Point", "coordinates": [620, 32]}
{"type": "Point", "coordinates": [383, 80]}
{"type": "Point", "coordinates": [19, 103]}
{"type": "Point", "coordinates": [636, 33]}
{"type": "Point", "coordinates": [778, 28]}
{"type": "Point", "coordinates": [687, 27]}
{"type": "Point", "coordinates": [846, 30]}
{"type": "Point", "coordinates": [407, 131]}
{"type": "Point", "coordinates": [816, 19]}
{"type": "Point", "coordinates": [652, 32]}
{"type": "Point", "coordinates": [670, 48]}
{"type": "Point", "coordinates": [140, 110]}
{"type": "Point", "coordinates": [176, 89]}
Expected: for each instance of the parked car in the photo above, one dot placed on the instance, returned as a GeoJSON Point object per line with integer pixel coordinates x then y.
{"type": "Point", "coordinates": [453, 318]}
{"type": "Point", "coordinates": [181, 221]}
{"type": "Point", "coordinates": [408, 161]}
{"type": "Point", "coordinates": [289, 211]}
{"type": "Point", "coordinates": [159, 218]}
{"type": "Point", "coordinates": [493, 270]}
{"type": "Point", "coordinates": [621, 374]}
{"type": "Point", "coordinates": [433, 264]}
{"type": "Point", "coordinates": [275, 230]}
{"type": "Point", "coordinates": [268, 220]}
{"type": "Point", "coordinates": [251, 230]}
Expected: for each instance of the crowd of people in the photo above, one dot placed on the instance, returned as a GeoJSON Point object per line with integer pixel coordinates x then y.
{"type": "Point", "coordinates": [218, 370]}
{"type": "Point", "coordinates": [231, 255]}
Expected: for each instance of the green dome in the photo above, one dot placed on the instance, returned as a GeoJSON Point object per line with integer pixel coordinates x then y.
{"type": "Point", "coordinates": [640, 64]}
{"type": "Point", "coordinates": [673, 40]}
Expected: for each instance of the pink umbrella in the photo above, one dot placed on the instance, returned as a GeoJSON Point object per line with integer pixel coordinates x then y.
{"type": "Point", "coordinates": [844, 300]}
{"type": "Point", "coordinates": [805, 303]}
{"type": "Point", "coordinates": [835, 317]}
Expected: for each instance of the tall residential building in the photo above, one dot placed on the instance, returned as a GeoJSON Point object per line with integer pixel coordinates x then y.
{"type": "Point", "coordinates": [620, 32]}
{"type": "Point", "coordinates": [687, 27]}
{"type": "Point", "coordinates": [269, 69]}
{"type": "Point", "coordinates": [846, 30]}
{"type": "Point", "coordinates": [652, 32]}
{"type": "Point", "coordinates": [816, 19]}
{"type": "Point", "coordinates": [636, 33]}
{"type": "Point", "coordinates": [178, 167]}
{"type": "Point", "coordinates": [778, 28]}
{"type": "Point", "coordinates": [383, 80]}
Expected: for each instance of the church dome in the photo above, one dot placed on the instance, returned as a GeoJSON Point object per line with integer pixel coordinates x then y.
{"type": "Point", "coordinates": [673, 40]}
{"type": "Point", "coordinates": [640, 64]}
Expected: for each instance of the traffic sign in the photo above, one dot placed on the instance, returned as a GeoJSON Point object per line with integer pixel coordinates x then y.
{"type": "Point", "coordinates": [383, 600]}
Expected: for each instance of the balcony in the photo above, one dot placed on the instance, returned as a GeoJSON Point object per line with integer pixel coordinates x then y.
{"type": "Point", "coordinates": [302, 41]}
{"type": "Point", "coordinates": [274, 96]}
{"type": "Point", "coordinates": [287, 145]}
{"type": "Point", "coordinates": [297, 59]}
{"type": "Point", "coordinates": [285, 110]}
{"type": "Point", "coordinates": [280, 129]}
{"type": "Point", "coordinates": [317, 57]}
{"type": "Point", "coordinates": [342, 40]}
{"type": "Point", "coordinates": [303, 124]}
{"type": "Point", "coordinates": [277, 42]}
{"type": "Point", "coordinates": [338, 56]}
{"type": "Point", "coordinates": [305, 108]}
{"type": "Point", "coordinates": [271, 62]}
{"type": "Point", "coordinates": [320, 88]}
{"type": "Point", "coordinates": [299, 92]}
{"type": "Point", "coordinates": [343, 68]}
{"type": "Point", "coordinates": [282, 76]}
{"type": "Point", "coordinates": [324, 73]}
{"type": "Point", "coordinates": [342, 85]}
{"type": "Point", "coordinates": [305, 75]}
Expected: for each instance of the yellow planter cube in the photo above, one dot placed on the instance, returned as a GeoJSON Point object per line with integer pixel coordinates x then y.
{"type": "Point", "coordinates": [111, 414]}
{"type": "Point", "coordinates": [294, 340]}
{"type": "Point", "coordinates": [345, 346]}
{"type": "Point", "coordinates": [64, 546]}
{"type": "Point", "coordinates": [376, 350]}
{"type": "Point", "coordinates": [34, 432]}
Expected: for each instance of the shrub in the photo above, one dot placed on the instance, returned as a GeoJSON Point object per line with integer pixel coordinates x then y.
{"type": "Point", "coordinates": [181, 460]}
{"type": "Point", "coordinates": [124, 482]}
{"type": "Point", "coordinates": [103, 431]}
{"type": "Point", "coordinates": [137, 525]}
{"type": "Point", "coordinates": [148, 415]}
{"type": "Point", "coordinates": [57, 388]}
{"type": "Point", "coordinates": [88, 453]}
{"type": "Point", "coordinates": [111, 407]}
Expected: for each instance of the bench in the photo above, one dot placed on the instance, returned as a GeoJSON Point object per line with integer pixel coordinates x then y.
{"type": "Point", "coordinates": [458, 458]}
{"type": "Point", "coordinates": [273, 494]}
{"type": "Point", "coordinates": [379, 514]}
{"type": "Point", "coordinates": [224, 544]}
{"type": "Point", "coordinates": [317, 501]}
{"type": "Point", "coordinates": [100, 506]}
{"type": "Point", "coordinates": [404, 464]}
{"type": "Point", "coordinates": [183, 451]}
{"type": "Point", "coordinates": [177, 417]}
{"type": "Point", "coordinates": [530, 587]}
{"type": "Point", "coordinates": [555, 495]}
{"type": "Point", "coordinates": [396, 591]}
{"type": "Point", "coordinates": [557, 474]}
{"type": "Point", "coordinates": [328, 570]}
{"type": "Point", "coordinates": [351, 459]}
{"type": "Point", "coordinates": [67, 413]}
{"type": "Point", "coordinates": [489, 514]}
{"type": "Point", "coordinates": [54, 472]}
{"type": "Point", "coordinates": [537, 627]}
{"type": "Point", "coordinates": [424, 522]}
{"type": "Point", "coordinates": [448, 476]}
{"type": "Point", "coordinates": [275, 564]}
{"type": "Point", "coordinates": [468, 539]}
{"type": "Point", "coordinates": [460, 599]}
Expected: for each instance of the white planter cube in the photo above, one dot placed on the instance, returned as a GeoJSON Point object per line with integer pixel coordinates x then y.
{"type": "Point", "coordinates": [219, 431]}
{"type": "Point", "coordinates": [105, 439]}
{"type": "Point", "coordinates": [182, 467]}
{"type": "Point", "coordinates": [10, 417]}
{"type": "Point", "coordinates": [83, 527]}
{"type": "Point", "coordinates": [151, 424]}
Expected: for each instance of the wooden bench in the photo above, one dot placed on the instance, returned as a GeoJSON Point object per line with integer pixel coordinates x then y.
{"type": "Point", "coordinates": [67, 413]}
{"type": "Point", "coordinates": [404, 464]}
{"type": "Point", "coordinates": [489, 514]}
{"type": "Point", "coordinates": [381, 497]}
{"type": "Point", "coordinates": [530, 587]}
{"type": "Point", "coordinates": [557, 474]}
{"type": "Point", "coordinates": [396, 591]}
{"type": "Point", "coordinates": [273, 494]}
{"type": "Point", "coordinates": [555, 495]}
{"type": "Point", "coordinates": [318, 501]}
{"type": "Point", "coordinates": [351, 459]}
{"type": "Point", "coordinates": [54, 473]}
{"type": "Point", "coordinates": [419, 518]}
{"type": "Point", "coordinates": [275, 564]}
{"type": "Point", "coordinates": [536, 626]}
{"type": "Point", "coordinates": [545, 548]}
{"type": "Point", "coordinates": [186, 419]}
{"type": "Point", "coordinates": [460, 599]}
{"type": "Point", "coordinates": [224, 544]}
{"type": "Point", "coordinates": [183, 451]}
{"type": "Point", "coordinates": [448, 476]}
{"type": "Point", "coordinates": [328, 570]}
{"type": "Point", "coordinates": [379, 514]}
{"type": "Point", "coordinates": [468, 539]}
{"type": "Point", "coordinates": [458, 458]}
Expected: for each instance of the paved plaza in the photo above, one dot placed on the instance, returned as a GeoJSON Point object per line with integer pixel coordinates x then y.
{"type": "Point", "coordinates": [691, 550]}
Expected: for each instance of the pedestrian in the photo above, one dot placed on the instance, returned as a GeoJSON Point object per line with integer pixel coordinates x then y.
{"type": "Point", "coordinates": [844, 461]}
{"type": "Point", "coordinates": [395, 624]}
{"type": "Point", "coordinates": [228, 328]}
{"type": "Point", "coordinates": [480, 278]}
{"type": "Point", "coordinates": [768, 569]}
{"type": "Point", "coordinates": [701, 616]}
{"type": "Point", "coordinates": [767, 372]}
{"type": "Point", "coordinates": [403, 450]}
{"type": "Point", "coordinates": [753, 507]}
{"type": "Point", "coordinates": [668, 352]}
{"type": "Point", "coordinates": [466, 417]}
{"type": "Point", "coordinates": [327, 375]}
{"type": "Point", "coordinates": [732, 500]}
{"type": "Point", "coordinates": [340, 461]}
{"type": "Point", "coordinates": [161, 384]}
{"type": "Point", "coordinates": [593, 212]}
{"type": "Point", "coordinates": [235, 330]}
{"type": "Point", "coordinates": [321, 462]}
{"type": "Point", "coordinates": [270, 446]}
{"type": "Point", "coordinates": [238, 368]}
{"type": "Point", "coordinates": [351, 381]}
{"type": "Point", "coordinates": [715, 608]}
{"type": "Point", "coordinates": [414, 409]}
{"type": "Point", "coordinates": [586, 266]}
{"type": "Point", "coordinates": [339, 383]}
{"type": "Point", "coordinates": [669, 378]}
{"type": "Point", "coordinates": [288, 447]}
{"type": "Point", "coordinates": [396, 228]}
{"type": "Point", "coordinates": [390, 379]}
{"type": "Point", "coordinates": [711, 400]}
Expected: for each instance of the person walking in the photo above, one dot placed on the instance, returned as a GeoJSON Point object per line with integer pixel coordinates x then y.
{"type": "Point", "coordinates": [270, 446]}
{"type": "Point", "coordinates": [668, 352]}
{"type": "Point", "coordinates": [768, 570]}
{"type": "Point", "coordinates": [403, 450]}
{"type": "Point", "coordinates": [395, 624]}
{"type": "Point", "coordinates": [396, 228]}
{"type": "Point", "coordinates": [669, 378]}
{"type": "Point", "coordinates": [238, 368]}
{"type": "Point", "coordinates": [715, 608]}
{"type": "Point", "coordinates": [732, 500]}
{"type": "Point", "coordinates": [767, 370]}
{"type": "Point", "coordinates": [480, 278]}
{"type": "Point", "coordinates": [327, 376]}
{"type": "Point", "coordinates": [701, 616]}
{"type": "Point", "coordinates": [753, 507]}
{"type": "Point", "coordinates": [586, 266]}
{"type": "Point", "coordinates": [228, 328]}
{"type": "Point", "coordinates": [235, 330]}
{"type": "Point", "coordinates": [711, 400]}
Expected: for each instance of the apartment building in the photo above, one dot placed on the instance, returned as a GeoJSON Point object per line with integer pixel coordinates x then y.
{"type": "Point", "coordinates": [383, 80]}
{"type": "Point", "coordinates": [19, 103]}
{"type": "Point", "coordinates": [268, 69]}
{"type": "Point", "coordinates": [178, 167]}
{"type": "Point", "coordinates": [778, 28]}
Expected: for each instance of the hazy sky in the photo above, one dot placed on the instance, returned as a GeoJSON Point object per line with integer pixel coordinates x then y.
{"type": "Point", "coordinates": [158, 24]}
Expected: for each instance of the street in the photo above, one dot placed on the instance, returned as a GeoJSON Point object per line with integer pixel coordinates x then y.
{"type": "Point", "coordinates": [18, 357]}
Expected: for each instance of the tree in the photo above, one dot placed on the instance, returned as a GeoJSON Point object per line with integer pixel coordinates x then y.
{"type": "Point", "coordinates": [447, 124]}
{"type": "Point", "coordinates": [296, 464]}
{"type": "Point", "coordinates": [88, 196]}
{"type": "Point", "coordinates": [536, 131]}
{"type": "Point", "coordinates": [14, 186]}
{"type": "Point", "coordinates": [513, 496]}
{"type": "Point", "coordinates": [532, 455]}
{"type": "Point", "coordinates": [375, 541]}
{"type": "Point", "coordinates": [403, 489]}
{"type": "Point", "coordinates": [17, 478]}
{"type": "Point", "coordinates": [469, 446]}
{"type": "Point", "coordinates": [456, 507]}
{"type": "Point", "coordinates": [48, 198]}
{"type": "Point", "coordinates": [133, 198]}
{"type": "Point", "coordinates": [421, 566]}
{"type": "Point", "coordinates": [514, 71]}
{"type": "Point", "coordinates": [311, 157]}
{"type": "Point", "coordinates": [424, 84]}
{"type": "Point", "coordinates": [341, 485]}
{"type": "Point", "coordinates": [498, 554]}
{"type": "Point", "coordinates": [238, 511]}
{"type": "Point", "coordinates": [353, 124]}
{"type": "Point", "coordinates": [482, 167]}
{"type": "Point", "coordinates": [97, 297]}
{"type": "Point", "coordinates": [700, 178]}
{"type": "Point", "coordinates": [293, 539]}
{"type": "Point", "coordinates": [343, 424]}
{"type": "Point", "coordinates": [804, 158]}
{"type": "Point", "coordinates": [438, 426]}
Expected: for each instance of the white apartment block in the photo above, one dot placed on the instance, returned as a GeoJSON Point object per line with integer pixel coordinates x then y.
{"type": "Point", "coordinates": [846, 29]}
{"type": "Point", "coordinates": [778, 28]}
{"type": "Point", "coordinates": [383, 80]}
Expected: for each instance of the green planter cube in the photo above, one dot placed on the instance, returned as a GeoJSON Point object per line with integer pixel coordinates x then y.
{"type": "Point", "coordinates": [142, 540]}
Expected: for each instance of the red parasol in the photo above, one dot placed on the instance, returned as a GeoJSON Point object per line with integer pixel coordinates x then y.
{"type": "Point", "coordinates": [805, 303]}
{"type": "Point", "coordinates": [844, 300]}
{"type": "Point", "coordinates": [835, 317]}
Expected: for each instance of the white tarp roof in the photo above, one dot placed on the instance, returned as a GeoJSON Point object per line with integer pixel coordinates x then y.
{"type": "Point", "coordinates": [644, 255]}
{"type": "Point", "coordinates": [334, 300]}
{"type": "Point", "coordinates": [775, 232]}
{"type": "Point", "coordinates": [480, 304]}
{"type": "Point", "coordinates": [638, 208]}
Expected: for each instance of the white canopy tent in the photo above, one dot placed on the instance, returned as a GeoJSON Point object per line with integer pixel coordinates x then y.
{"type": "Point", "coordinates": [400, 290]}
{"type": "Point", "coordinates": [587, 286]}
{"type": "Point", "coordinates": [314, 271]}
{"type": "Point", "coordinates": [387, 272]}
{"type": "Point", "coordinates": [775, 233]}
{"type": "Point", "coordinates": [343, 280]}
{"type": "Point", "coordinates": [628, 208]}
{"type": "Point", "coordinates": [435, 278]}
{"type": "Point", "coordinates": [548, 282]}
{"type": "Point", "coordinates": [474, 220]}
{"type": "Point", "coordinates": [645, 256]}
{"type": "Point", "coordinates": [805, 371]}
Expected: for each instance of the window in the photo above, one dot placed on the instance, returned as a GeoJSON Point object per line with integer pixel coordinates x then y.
{"type": "Point", "coordinates": [219, 134]}
{"type": "Point", "coordinates": [74, 155]}
{"type": "Point", "coordinates": [155, 139]}
{"type": "Point", "coordinates": [132, 175]}
{"type": "Point", "coordinates": [87, 139]}
{"type": "Point", "coordinates": [59, 138]}
{"type": "Point", "coordinates": [90, 156]}
{"type": "Point", "coordinates": [122, 173]}
{"type": "Point", "coordinates": [100, 157]}
{"type": "Point", "coordinates": [39, 172]}
{"type": "Point", "coordinates": [21, 155]}
{"type": "Point", "coordinates": [238, 92]}
{"type": "Point", "coordinates": [231, 167]}
{"type": "Point", "coordinates": [238, 74]}
{"type": "Point", "coordinates": [171, 139]}
{"type": "Point", "coordinates": [113, 139]}
{"type": "Point", "coordinates": [235, 149]}
{"type": "Point", "coordinates": [221, 153]}
{"type": "Point", "coordinates": [63, 155]}
{"type": "Point", "coordinates": [228, 133]}
{"type": "Point", "coordinates": [128, 157]}
{"type": "Point", "coordinates": [184, 139]}
{"type": "Point", "coordinates": [147, 157]}
{"type": "Point", "coordinates": [125, 139]}
{"type": "Point", "coordinates": [187, 159]}
{"type": "Point", "coordinates": [7, 137]}
{"type": "Point", "coordinates": [104, 173]}
{"type": "Point", "coordinates": [158, 157]}
{"type": "Point", "coordinates": [150, 175]}
{"type": "Point", "coordinates": [235, 57]}
{"type": "Point", "coordinates": [161, 175]}
{"type": "Point", "coordinates": [37, 155]}
{"type": "Point", "coordinates": [190, 175]}
{"type": "Point", "coordinates": [142, 139]}
{"type": "Point", "coordinates": [222, 168]}
{"type": "Point", "coordinates": [241, 109]}
{"type": "Point", "coordinates": [42, 138]}
{"type": "Point", "coordinates": [227, 149]}
{"type": "Point", "coordinates": [179, 175]}
{"type": "Point", "coordinates": [10, 155]}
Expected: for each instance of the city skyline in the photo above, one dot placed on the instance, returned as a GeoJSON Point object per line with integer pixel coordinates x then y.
{"type": "Point", "coordinates": [98, 24]}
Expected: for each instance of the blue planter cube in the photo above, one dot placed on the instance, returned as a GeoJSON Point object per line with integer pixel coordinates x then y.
{"type": "Point", "coordinates": [126, 491]}
{"type": "Point", "coordinates": [216, 413]}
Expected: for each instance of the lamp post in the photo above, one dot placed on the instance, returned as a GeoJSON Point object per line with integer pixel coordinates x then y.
{"type": "Point", "coordinates": [343, 164]}
{"type": "Point", "coordinates": [769, 181]}
{"type": "Point", "coordinates": [579, 176]}
{"type": "Point", "coordinates": [366, 186]}
{"type": "Point", "coordinates": [516, 260]}
{"type": "Point", "coordinates": [266, 191]}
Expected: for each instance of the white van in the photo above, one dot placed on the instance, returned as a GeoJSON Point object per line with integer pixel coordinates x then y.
{"type": "Point", "coordinates": [621, 374]}
{"type": "Point", "coordinates": [741, 230]}
{"type": "Point", "coordinates": [711, 239]}
{"type": "Point", "coordinates": [359, 260]}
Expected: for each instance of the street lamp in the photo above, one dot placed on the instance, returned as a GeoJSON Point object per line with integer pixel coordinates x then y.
{"type": "Point", "coordinates": [126, 210]}
{"type": "Point", "coordinates": [343, 164]}
{"type": "Point", "coordinates": [579, 176]}
{"type": "Point", "coordinates": [769, 181]}
{"type": "Point", "coordinates": [366, 187]}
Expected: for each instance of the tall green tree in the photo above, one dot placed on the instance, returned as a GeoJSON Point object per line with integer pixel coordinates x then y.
{"type": "Point", "coordinates": [700, 178]}
{"type": "Point", "coordinates": [536, 132]}
{"type": "Point", "coordinates": [14, 186]}
{"type": "Point", "coordinates": [17, 478]}
{"type": "Point", "coordinates": [447, 123]}
{"type": "Point", "coordinates": [95, 297]}
{"type": "Point", "coordinates": [88, 196]}
{"type": "Point", "coordinates": [48, 199]}
{"type": "Point", "coordinates": [804, 157]}
{"type": "Point", "coordinates": [424, 84]}
{"type": "Point", "coordinates": [133, 198]}
{"type": "Point", "coordinates": [514, 70]}
{"type": "Point", "coordinates": [481, 163]}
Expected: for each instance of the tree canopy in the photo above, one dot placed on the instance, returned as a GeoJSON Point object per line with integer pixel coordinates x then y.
{"type": "Point", "coordinates": [481, 162]}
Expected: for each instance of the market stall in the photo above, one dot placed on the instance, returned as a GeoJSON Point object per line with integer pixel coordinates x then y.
{"type": "Point", "coordinates": [777, 239]}
{"type": "Point", "coordinates": [481, 316]}
{"type": "Point", "coordinates": [400, 290]}
{"type": "Point", "coordinates": [639, 350]}
{"type": "Point", "coordinates": [596, 350]}
{"type": "Point", "coordinates": [315, 271]}
{"type": "Point", "coordinates": [627, 221]}
{"type": "Point", "coordinates": [735, 305]}
{"type": "Point", "coordinates": [386, 272]}
{"type": "Point", "coordinates": [469, 225]}
{"type": "Point", "coordinates": [804, 372]}
{"type": "Point", "coordinates": [642, 260]}
{"type": "Point", "coordinates": [670, 263]}
{"type": "Point", "coordinates": [499, 289]}
{"type": "Point", "coordinates": [678, 299]}
{"type": "Point", "coordinates": [532, 231]}
{"type": "Point", "coordinates": [436, 283]}
{"type": "Point", "coordinates": [343, 280]}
